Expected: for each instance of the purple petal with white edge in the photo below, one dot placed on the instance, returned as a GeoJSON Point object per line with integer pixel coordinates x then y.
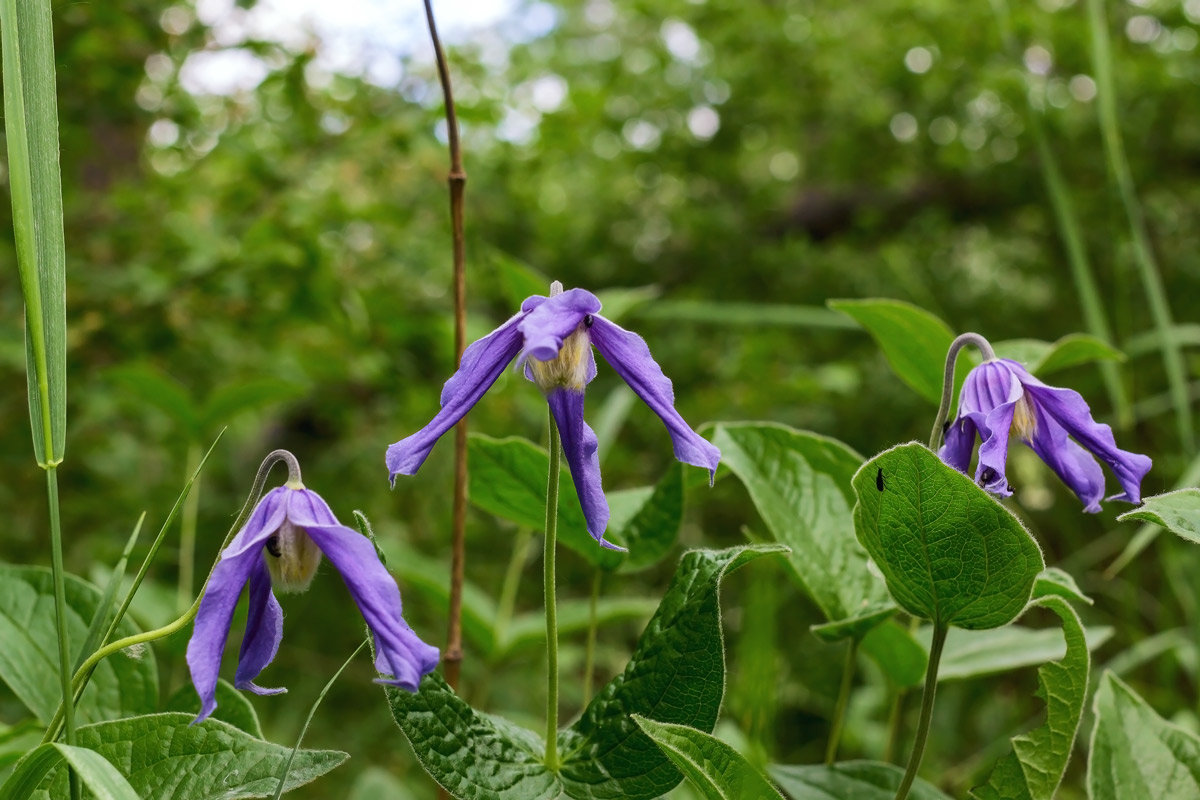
{"type": "Point", "coordinates": [378, 598]}
{"type": "Point", "coordinates": [264, 631]}
{"type": "Point", "coordinates": [994, 387]}
{"type": "Point", "coordinates": [1077, 468]}
{"type": "Point", "coordinates": [545, 327]}
{"type": "Point", "coordinates": [482, 363]}
{"type": "Point", "coordinates": [580, 446]}
{"type": "Point", "coordinates": [1071, 411]}
{"type": "Point", "coordinates": [211, 628]}
{"type": "Point", "coordinates": [628, 355]}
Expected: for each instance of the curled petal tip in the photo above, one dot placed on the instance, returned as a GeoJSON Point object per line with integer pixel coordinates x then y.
{"type": "Point", "coordinates": [263, 691]}
{"type": "Point", "coordinates": [400, 682]}
{"type": "Point", "coordinates": [607, 545]}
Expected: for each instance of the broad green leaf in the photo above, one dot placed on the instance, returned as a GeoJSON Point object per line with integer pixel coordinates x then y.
{"type": "Point", "coordinates": [848, 780]}
{"type": "Point", "coordinates": [1035, 766]}
{"type": "Point", "coordinates": [508, 479]}
{"type": "Point", "coordinates": [1056, 581]}
{"type": "Point", "coordinates": [35, 184]}
{"type": "Point", "coordinates": [1149, 532]}
{"type": "Point", "coordinates": [104, 609]}
{"type": "Point", "coordinates": [914, 341]}
{"type": "Point", "coordinates": [1044, 358]}
{"type": "Point", "coordinates": [755, 315]}
{"type": "Point", "coordinates": [902, 658]}
{"type": "Point", "coordinates": [714, 768]}
{"type": "Point", "coordinates": [949, 552]}
{"type": "Point", "coordinates": [857, 626]}
{"type": "Point", "coordinates": [100, 777]}
{"type": "Point", "coordinates": [647, 519]}
{"type": "Point", "coordinates": [1135, 753]}
{"type": "Point", "coordinates": [973, 654]}
{"type": "Point", "coordinates": [16, 741]}
{"type": "Point", "coordinates": [124, 684]}
{"type": "Point", "coordinates": [800, 485]}
{"type": "Point", "coordinates": [165, 757]}
{"type": "Point", "coordinates": [1178, 512]}
{"type": "Point", "coordinates": [676, 674]}
{"type": "Point", "coordinates": [232, 707]}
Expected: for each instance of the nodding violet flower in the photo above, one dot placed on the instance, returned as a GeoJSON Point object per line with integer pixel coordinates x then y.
{"type": "Point", "coordinates": [553, 337]}
{"type": "Point", "coordinates": [1000, 396]}
{"type": "Point", "coordinates": [280, 547]}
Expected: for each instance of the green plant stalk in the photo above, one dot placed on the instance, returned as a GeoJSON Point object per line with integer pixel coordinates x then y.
{"type": "Point", "coordinates": [512, 579]}
{"type": "Point", "coordinates": [187, 529]}
{"type": "Point", "coordinates": [287, 765]}
{"type": "Point", "coordinates": [551, 759]}
{"type": "Point", "coordinates": [922, 735]}
{"type": "Point", "coordinates": [843, 700]}
{"type": "Point", "coordinates": [589, 651]}
{"type": "Point", "coordinates": [1072, 237]}
{"type": "Point", "coordinates": [961, 341]}
{"type": "Point", "coordinates": [1118, 165]}
{"type": "Point", "coordinates": [895, 724]}
{"type": "Point", "coordinates": [60, 604]}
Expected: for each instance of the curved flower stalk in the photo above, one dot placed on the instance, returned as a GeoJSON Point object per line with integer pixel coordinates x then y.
{"type": "Point", "coordinates": [553, 338]}
{"type": "Point", "coordinates": [280, 547]}
{"type": "Point", "coordinates": [1000, 396]}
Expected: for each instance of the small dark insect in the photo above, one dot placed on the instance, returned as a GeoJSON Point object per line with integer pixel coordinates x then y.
{"type": "Point", "coordinates": [987, 476]}
{"type": "Point", "coordinates": [587, 321]}
{"type": "Point", "coordinates": [273, 546]}
{"type": "Point", "coordinates": [879, 479]}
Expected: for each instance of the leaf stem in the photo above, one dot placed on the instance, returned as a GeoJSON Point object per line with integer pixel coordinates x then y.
{"type": "Point", "coordinates": [589, 652]}
{"type": "Point", "coordinates": [914, 762]}
{"type": "Point", "coordinates": [60, 604]}
{"type": "Point", "coordinates": [985, 349]}
{"type": "Point", "coordinates": [843, 700]}
{"type": "Point", "coordinates": [551, 759]}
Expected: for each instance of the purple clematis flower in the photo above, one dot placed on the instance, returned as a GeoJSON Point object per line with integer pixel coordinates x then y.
{"type": "Point", "coordinates": [553, 337]}
{"type": "Point", "coordinates": [281, 546]}
{"type": "Point", "coordinates": [1000, 396]}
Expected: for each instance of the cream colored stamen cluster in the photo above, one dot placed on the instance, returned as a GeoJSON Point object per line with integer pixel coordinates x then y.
{"type": "Point", "coordinates": [292, 558]}
{"type": "Point", "coordinates": [567, 370]}
{"type": "Point", "coordinates": [1024, 423]}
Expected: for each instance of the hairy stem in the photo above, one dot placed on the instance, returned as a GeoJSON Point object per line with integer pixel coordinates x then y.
{"type": "Point", "coordinates": [914, 761]}
{"type": "Point", "coordinates": [551, 759]}
{"type": "Point", "coordinates": [985, 349]}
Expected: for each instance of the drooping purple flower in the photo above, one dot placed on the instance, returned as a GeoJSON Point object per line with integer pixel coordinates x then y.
{"type": "Point", "coordinates": [1000, 396]}
{"type": "Point", "coordinates": [281, 546]}
{"type": "Point", "coordinates": [553, 336]}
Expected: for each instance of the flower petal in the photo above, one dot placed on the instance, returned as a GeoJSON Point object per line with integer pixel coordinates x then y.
{"type": "Point", "coordinates": [959, 442]}
{"type": "Point", "coordinates": [406, 657]}
{"type": "Point", "coordinates": [1071, 411]}
{"type": "Point", "coordinates": [266, 518]}
{"type": "Point", "coordinates": [212, 624]}
{"type": "Point", "coordinates": [1072, 463]}
{"type": "Point", "coordinates": [264, 631]}
{"type": "Point", "coordinates": [580, 446]}
{"type": "Point", "coordinates": [482, 363]}
{"type": "Point", "coordinates": [553, 320]}
{"type": "Point", "coordinates": [996, 391]}
{"type": "Point", "coordinates": [628, 355]}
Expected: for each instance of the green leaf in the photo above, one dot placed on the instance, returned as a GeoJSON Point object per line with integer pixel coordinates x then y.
{"type": "Point", "coordinates": [676, 674]}
{"type": "Point", "coordinates": [508, 479]}
{"type": "Point", "coordinates": [122, 685]}
{"type": "Point", "coordinates": [1178, 512]}
{"type": "Point", "coordinates": [35, 183]}
{"type": "Point", "coordinates": [165, 757]}
{"type": "Point", "coordinates": [647, 519]}
{"type": "Point", "coordinates": [949, 552]}
{"type": "Point", "coordinates": [714, 768]}
{"type": "Point", "coordinates": [857, 626]}
{"type": "Point", "coordinates": [232, 707]}
{"type": "Point", "coordinates": [98, 775]}
{"type": "Point", "coordinates": [914, 341]}
{"type": "Point", "coordinates": [973, 654]}
{"type": "Point", "coordinates": [848, 780]}
{"type": "Point", "coordinates": [1135, 753]}
{"type": "Point", "coordinates": [148, 384]}
{"type": "Point", "coordinates": [1044, 358]}
{"type": "Point", "coordinates": [1059, 582]}
{"type": "Point", "coordinates": [1033, 769]}
{"type": "Point", "coordinates": [417, 573]}
{"type": "Point", "coordinates": [104, 609]}
{"type": "Point", "coordinates": [902, 658]}
{"type": "Point", "coordinates": [800, 485]}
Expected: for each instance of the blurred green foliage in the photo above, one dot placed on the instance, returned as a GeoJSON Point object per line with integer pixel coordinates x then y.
{"type": "Point", "coordinates": [294, 237]}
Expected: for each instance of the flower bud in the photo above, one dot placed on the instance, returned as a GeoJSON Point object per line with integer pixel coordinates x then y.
{"type": "Point", "coordinates": [292, 558]}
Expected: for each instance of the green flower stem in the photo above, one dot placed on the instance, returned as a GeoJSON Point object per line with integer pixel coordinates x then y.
{"type": "Point", "coordinates": [843, 700]}
{"type": "Point", "coordinates": [985, 349]}
{"type": "Point", "coordinates": [60, 604]}
{"type": "Point", "coordinates": [589, 652]}
{"type": "Point", "coordinates": [914, 762]}
{"type": "Point", "coordinates": [551, 759]}
{"type": "Point", "coordinates": [1118, 166]}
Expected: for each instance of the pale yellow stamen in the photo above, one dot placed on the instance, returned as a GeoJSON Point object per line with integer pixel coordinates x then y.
{"type": "Point", "coordinates": [292, 558]}
{"type": "Point", "coordinates": [1024, 423]}
{"type": "Point", "coordinates": [567, 370]}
